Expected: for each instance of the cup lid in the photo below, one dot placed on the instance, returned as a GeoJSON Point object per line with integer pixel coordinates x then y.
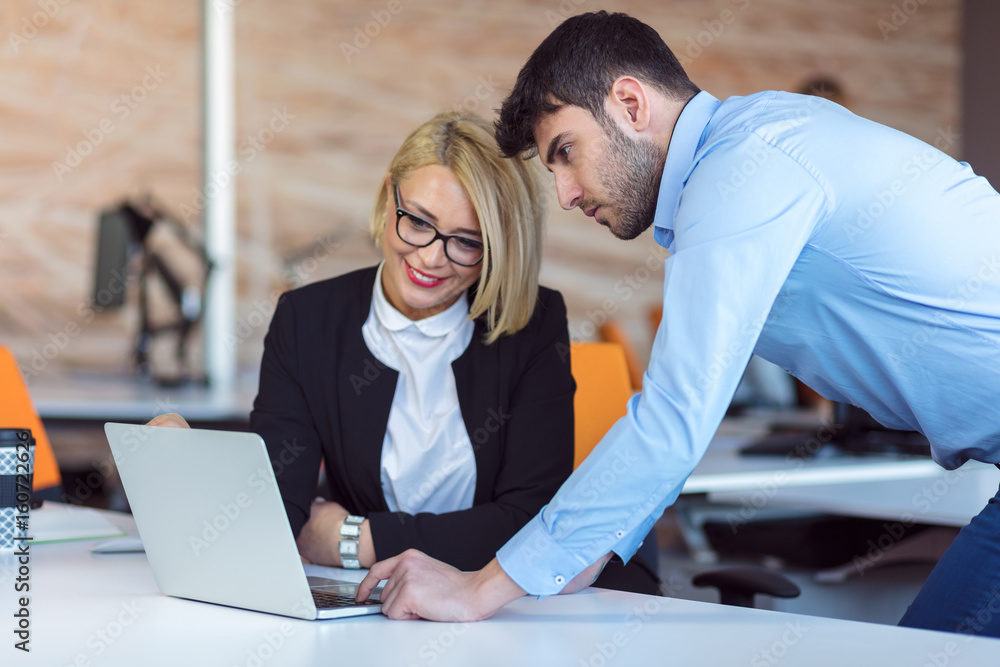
{"type": "Point", "coordinates": [10, 436]}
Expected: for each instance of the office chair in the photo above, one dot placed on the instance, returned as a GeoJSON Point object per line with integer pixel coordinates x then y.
{"type": "Point", "coordinates": [17, 411]}
{"type": "Point", "coordinates": [603, 388]}
{"type": "Point", "coordinates": [738, 586]}
{"type": "Point", "coordinates": [602, 391]}
{"type": "Point", "coordinates": [613, 332]}
{"type": "Point", "coordinates": [653, 317]}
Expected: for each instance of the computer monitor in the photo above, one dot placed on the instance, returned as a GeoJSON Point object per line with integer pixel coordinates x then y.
{"type": "Point", "coordinates": [860, 433]}
{"type": "Point", "coordinates": [853, 431]}
{"type": "Point", "coordinates": [110, 264]}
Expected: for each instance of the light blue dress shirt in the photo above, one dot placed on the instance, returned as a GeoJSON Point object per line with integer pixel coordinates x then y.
{"type": "Point", "coordinates": [860, 259]}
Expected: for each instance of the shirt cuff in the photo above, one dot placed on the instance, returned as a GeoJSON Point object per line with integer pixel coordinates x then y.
{"type": "Point", "coordinates": [536, 562]}
{"type": "Point", "coordinates": [541, 566]}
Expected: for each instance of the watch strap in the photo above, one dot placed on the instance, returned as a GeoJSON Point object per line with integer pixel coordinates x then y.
{"type": "Point", "coordinates": [350, 532]}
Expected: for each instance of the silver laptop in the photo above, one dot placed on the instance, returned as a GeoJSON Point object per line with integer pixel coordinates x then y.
{"type": "Point", "coordinates": [211, 520]}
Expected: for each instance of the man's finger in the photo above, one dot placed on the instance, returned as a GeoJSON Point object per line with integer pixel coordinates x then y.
{"type": "Point", "coordinates": [394, 607]}
{"type": "Point", "coordinates": [379, 571]}
{"type": "Point", "coordinates": [366, 587]}
{"type": "Point", "coordinates": [394, 580]}
{"type": "Point", "coordinates": [398, 615]}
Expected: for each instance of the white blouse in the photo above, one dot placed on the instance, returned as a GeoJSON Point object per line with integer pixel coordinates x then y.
{"type": "Point", "coordinates": [427, 457]}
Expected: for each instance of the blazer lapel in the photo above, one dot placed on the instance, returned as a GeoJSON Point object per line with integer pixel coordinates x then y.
{"type": "Point", "coordinates": [365, 390]}
{"type": "Point", "coordinates": [477, 379]}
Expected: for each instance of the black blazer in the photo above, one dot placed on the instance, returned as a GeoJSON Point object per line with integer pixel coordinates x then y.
{"type": "Point", "coordinates": [324, 395]}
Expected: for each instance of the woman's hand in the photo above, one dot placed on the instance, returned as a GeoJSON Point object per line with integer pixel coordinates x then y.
{"type": "Point", "coordinates": [319, 541]}
{"type": "Point", "coordinates": [172, 419]}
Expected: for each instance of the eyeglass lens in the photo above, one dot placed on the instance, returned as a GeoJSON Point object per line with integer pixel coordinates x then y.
{"type": "Point", "coordinates": [420, 233]}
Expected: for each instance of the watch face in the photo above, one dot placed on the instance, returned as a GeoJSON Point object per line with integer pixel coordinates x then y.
{"type": "Point", "coordinates": [348, 530]}
{"type": "Point", "coordinates": [348, 548]}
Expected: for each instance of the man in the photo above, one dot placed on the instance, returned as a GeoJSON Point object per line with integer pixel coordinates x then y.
{"type": "Point", "coordinates": [858, 258]}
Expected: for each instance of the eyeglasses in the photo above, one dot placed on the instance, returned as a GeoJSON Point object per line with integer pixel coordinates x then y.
{"type": "Point", "coordinates": [419, 233]}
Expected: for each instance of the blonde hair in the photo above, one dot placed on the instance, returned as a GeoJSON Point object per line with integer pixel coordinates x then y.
{"type": "Point", "coordinates": [507, 197]}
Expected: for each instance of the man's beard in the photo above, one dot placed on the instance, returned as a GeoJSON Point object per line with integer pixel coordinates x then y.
{"type": "Point", "coordinates": [630, 176]}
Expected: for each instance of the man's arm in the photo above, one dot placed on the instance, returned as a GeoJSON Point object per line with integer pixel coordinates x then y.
{"type": "Point", "coordinates": [421, 587]}
{"type": "Point", "coordinates": [733, 252]}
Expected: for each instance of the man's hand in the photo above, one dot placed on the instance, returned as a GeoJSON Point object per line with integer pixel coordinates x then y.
{"type": "Point", "coordinates": [171, 419]}
{"type": "Point", "coordinates": [421, 587]}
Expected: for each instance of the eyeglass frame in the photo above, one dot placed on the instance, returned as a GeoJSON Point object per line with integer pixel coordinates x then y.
{"type": "Point", "coordinates": [400, 212]}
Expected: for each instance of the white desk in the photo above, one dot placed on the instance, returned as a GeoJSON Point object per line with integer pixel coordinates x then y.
{"type": "Point", "coordinates": [105, 610]}
{"type": "Point", "coordinates": [724, 469]}
{"type": "Point", "coordinates": [885, 487]}
{"type": "Point", "coordinates": [100, 397]}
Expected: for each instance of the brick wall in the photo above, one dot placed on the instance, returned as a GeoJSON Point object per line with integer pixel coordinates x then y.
{"type": "Point", "coordinates": [99, 101]}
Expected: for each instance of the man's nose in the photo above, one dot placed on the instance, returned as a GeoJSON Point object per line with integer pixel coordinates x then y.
{"type": "Point", "coordinates": [568, 191]}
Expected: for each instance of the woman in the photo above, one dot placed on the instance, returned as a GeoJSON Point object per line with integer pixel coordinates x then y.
{"type": "Point", "coordinates": [436, 386]}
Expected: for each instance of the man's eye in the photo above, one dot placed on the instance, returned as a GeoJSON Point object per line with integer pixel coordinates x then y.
{"type": "Point", "coordinates": [564, 151]}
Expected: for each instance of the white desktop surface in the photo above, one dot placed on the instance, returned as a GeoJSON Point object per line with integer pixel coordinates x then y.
{"type": "Point", "coordinates": [105, 610]}
{"type": "Point", "coordinates": [123, 397]}
{"type": "Point", "coordinates": [948, 498]}
{"type": "Point", "coordinates": [723, 468]}
{"type": "Point", "coordinates": [871, 486]}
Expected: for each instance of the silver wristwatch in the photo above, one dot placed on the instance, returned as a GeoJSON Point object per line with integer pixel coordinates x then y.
{"type": "Point", "coordinates": [350, 531]}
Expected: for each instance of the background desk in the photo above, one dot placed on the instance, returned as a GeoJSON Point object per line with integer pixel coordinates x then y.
{"type": "Point", "coordinates": [100, 398]}
{"type": "Point", "coordinates": [871, 486]}
{"type": "Point", "coordinates": [74, 408]}
{"type": "Point", "coordinates": [736, 490]}
{"type": "Point", "coordinates": [91, 609]}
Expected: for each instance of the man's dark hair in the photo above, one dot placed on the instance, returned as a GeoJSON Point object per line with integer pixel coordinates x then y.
{"type": "Point", "coordinates": [577, 64]}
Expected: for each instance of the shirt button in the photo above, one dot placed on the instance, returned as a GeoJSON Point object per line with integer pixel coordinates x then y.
{"type": "Point", "coordinates": [620, 534]}
{"type": "Point", "coordinates": [560, 580]}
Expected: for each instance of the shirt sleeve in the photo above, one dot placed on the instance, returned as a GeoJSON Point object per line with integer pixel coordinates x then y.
{"type": "Point", "coordinates": [745, 213]}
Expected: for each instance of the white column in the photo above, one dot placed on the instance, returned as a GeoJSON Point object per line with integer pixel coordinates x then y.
{"type": "Point", "coordinates": [219, 186]}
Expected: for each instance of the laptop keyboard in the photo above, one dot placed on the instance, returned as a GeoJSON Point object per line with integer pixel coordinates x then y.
{"type": "Point", "coordinates": [328, 600]}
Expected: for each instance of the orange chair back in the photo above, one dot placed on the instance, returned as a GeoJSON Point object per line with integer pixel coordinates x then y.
{"type": "Point", "coordinates": [602, 391]}
{"type": "Point", "coordinates": [613, 332]}
{"type": "Point", "coordinates": [17, 411]}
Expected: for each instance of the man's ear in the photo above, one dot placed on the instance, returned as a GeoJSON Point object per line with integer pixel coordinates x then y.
{"type": "Point", "coordinates": [628, 102]}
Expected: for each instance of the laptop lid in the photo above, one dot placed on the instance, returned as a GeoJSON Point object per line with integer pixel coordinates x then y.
{"type": "Point", "coordinates": [210, 516]}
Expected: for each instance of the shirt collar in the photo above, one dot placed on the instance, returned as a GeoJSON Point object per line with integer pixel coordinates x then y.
{"type": "Point", "coordinates": [687, 137]}
{"type": "Point", "coordinates": [435, 326]}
